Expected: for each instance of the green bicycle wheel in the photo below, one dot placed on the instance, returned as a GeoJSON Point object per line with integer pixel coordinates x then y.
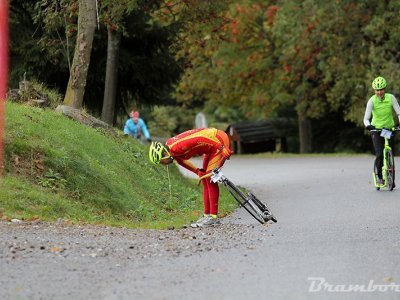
{"type": "Point", "coordinates": [390, 170]}
{"type": "Point", "coordinates": [376, 178]}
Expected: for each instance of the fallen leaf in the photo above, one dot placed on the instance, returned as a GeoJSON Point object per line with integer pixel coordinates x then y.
{"type": "Point", "coordinates": [55, 249]}
{"type": "Point", "coordinates": [188, 236]}
{"type": "Point", "coordinates": [33, 218]}
{"type": "Point", "coordinates": [39, 166]}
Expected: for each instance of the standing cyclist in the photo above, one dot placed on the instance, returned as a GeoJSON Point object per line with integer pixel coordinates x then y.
{"type": "Point", "coordinates": [213, 145]}
{"type": "Point", "coordinates": [380, 106]}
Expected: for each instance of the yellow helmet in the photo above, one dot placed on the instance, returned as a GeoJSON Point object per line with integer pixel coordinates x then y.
{"type": "Point", "coordinates": [379, 83]}
{"type": "Point", "coordinates": [156, 152]}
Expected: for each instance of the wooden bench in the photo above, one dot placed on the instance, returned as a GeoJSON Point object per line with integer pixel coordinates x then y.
{"type": "Point", "coordinates": [254, 137]}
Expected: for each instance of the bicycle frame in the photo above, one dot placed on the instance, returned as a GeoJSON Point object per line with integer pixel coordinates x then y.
{"type": "Point", "coordinates": [386, 134]}
{"type": "Point", "coordinates": [249, 202]}
{"type": "Point", "coordinates": [386, 148]}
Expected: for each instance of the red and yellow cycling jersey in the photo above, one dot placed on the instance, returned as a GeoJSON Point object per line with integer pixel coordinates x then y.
{"type": "Point", "coordinates": [211, 142]}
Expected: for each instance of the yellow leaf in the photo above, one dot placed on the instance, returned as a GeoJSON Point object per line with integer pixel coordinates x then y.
{"type": "Point", "coordinates": [55, 249]}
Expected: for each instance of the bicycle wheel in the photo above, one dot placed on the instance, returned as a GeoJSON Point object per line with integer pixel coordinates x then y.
{"type": "Point", "coordinates": [375, 174]}
{"type": "Point", "coordinates": [389, 170]}
{"type": "Point", "coordinates": [244, 202]}
{"type": "Point", "coordinates": [264, 208]}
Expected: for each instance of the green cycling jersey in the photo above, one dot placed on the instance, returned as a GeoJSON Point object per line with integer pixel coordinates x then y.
{"type": "Point", "coordinates": [381, 111]}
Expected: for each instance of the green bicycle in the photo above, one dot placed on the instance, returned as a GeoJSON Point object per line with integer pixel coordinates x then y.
{"type": "Point", "coordinates": [388, 170]}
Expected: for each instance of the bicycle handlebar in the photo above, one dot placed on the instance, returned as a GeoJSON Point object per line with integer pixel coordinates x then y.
{"type": "Point", "coordinates": [386, 133]}
{"type": "Point", "coordinates": [216, 176]}
{"type": "Point", "coordinates": [380, 129]}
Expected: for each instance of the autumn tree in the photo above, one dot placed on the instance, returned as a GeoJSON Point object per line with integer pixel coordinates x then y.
{"type": "Point", "coordinates": [297, 32]}
{"type": "Point", "coordinates": [200, 24]}
{"type": "Point", "coordinates": [369, 49]}
{"type": "Point", "coordinates": [230, 60]}
{"type": "Point", "coordinates": [287, 53]}
{"type": "Point", "coordinates": [243, 66]}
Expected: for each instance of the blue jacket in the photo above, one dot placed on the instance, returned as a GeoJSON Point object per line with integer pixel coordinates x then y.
{"type": "Point", "coordinates": [136, 130]}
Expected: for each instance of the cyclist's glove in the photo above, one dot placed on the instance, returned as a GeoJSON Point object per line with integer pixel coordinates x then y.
{"type": "Point", "coordinates": [370, 127]}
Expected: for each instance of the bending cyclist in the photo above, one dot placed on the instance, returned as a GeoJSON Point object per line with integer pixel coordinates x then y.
{"type": "Point", "coordinates": [213, 145]}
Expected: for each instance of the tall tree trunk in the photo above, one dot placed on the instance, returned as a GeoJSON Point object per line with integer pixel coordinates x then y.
{"type": "Point", "coordinates": [305, 133]}
{"type": "Point", "coordinates": [110, 87]}
{"type": "Point", "coordinates": [80, 64]}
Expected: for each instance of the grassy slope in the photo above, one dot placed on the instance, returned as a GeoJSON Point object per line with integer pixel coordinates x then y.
{"type": "Point", "coordinates": [57, 168]}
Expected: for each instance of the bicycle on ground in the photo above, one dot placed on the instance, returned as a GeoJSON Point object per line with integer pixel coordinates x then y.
{"type": "Point", "coordinates": [388, 170]}
{"type": "Point", "coordinates": [249, 202]}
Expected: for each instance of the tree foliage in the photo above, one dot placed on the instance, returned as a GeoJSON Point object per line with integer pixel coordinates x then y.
{"type": "Point", "coordinates": [146, 67]}
{"type": "Point", "coordinates": [33, 55]}
{"type": "Point", "coordinates": [319, 59]}
{"type": "Point", "coordinates": [238, 59]}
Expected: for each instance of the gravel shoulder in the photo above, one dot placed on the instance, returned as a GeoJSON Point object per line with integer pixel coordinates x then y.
{"type": "Point", "coordinates": [61, 261]}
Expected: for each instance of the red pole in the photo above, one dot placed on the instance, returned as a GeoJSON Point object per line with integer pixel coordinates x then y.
{"type": "Point", "coordinates": [3, 73]}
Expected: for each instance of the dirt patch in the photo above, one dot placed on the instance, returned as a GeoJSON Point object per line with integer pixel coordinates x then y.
{"type": "Point", "coordinates": [28, 165]}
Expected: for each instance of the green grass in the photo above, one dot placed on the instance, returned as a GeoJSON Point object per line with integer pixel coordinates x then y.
{"type": "Point", "coordinates": [57, 168]}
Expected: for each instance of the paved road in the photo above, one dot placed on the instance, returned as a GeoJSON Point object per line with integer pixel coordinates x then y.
{"type": "Point", "coordinates": [332, 226]}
